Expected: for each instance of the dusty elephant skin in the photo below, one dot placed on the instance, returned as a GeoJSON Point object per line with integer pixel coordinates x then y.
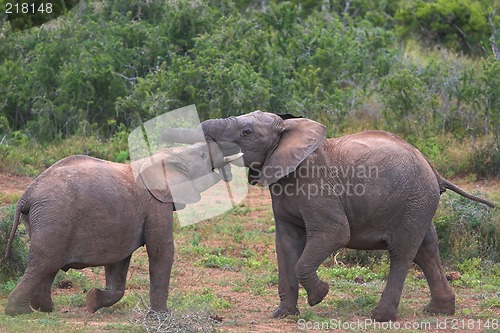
{"type": "Point", "coordinates": [83, 211]}
{"type": "Point", "coordinates": [370, 190]}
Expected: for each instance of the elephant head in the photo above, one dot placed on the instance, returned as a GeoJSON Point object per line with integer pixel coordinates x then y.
{"type": "Point", "coordinates": [180, 174]}
{"type": "Point", "coordinates": [272, 145]}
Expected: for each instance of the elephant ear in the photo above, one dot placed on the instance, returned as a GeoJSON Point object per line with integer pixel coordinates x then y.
{"type": "Point", "coordinates": [300, 137]}
{"type": "Point", "coordinates": [159, 176]}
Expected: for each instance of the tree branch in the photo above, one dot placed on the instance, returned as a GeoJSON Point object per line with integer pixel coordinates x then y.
{"type": "Point", "coordinates": [464, 36]}
{"type": "Point", "coordinates": [494, 46]}
{"type": "Point", "coordinates": [3, 139]}
{"type": "Point", "coordinates": [131, 80]}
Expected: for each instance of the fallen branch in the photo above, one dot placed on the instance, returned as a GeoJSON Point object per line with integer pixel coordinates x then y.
{"type": "Point", "coordinates": [170, 322]}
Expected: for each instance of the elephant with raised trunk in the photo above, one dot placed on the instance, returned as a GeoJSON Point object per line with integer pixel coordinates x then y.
{"type": "Point", "coordinates": [84, 211]}
{"type": "Point", "coordinates": [369, 191]}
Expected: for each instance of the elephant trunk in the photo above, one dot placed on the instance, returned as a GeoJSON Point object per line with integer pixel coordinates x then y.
{"type": "Point", "coordinates": [216, 130]}
{"type": "Point", "coordinates": [210, 130]}
{"type": "Point", "coordinates": [182, 135]}
{"type": "Point", "coordinates": [212, 127]}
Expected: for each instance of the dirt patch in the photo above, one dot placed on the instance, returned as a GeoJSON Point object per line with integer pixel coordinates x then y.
{"type": "Point", "coordinates": [483, 185]}
{"type": "Point", "coordinates": [11, 187]}
{"type": "Point", "coordinates": [10, 183]}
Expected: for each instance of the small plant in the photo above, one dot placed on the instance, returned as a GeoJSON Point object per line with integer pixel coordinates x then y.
{"type": "Point", "coordinates": [9, 198]}
{"type": "Point", "coordinates": [472, 272]}
{"type": "Point", "coordinates": [216, 261]}
{"type": "Point", "coordinates": [241, 209]}
{"type": "Point", "coordinates": [122, 156]}
{"type": "Point", "coordinates": [491, 303]}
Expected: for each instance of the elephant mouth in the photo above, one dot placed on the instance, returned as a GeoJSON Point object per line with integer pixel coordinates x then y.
{"type": "Point", "coordinates": [224, 172]}
{"type": "Point", "coordinates": [236, 159]}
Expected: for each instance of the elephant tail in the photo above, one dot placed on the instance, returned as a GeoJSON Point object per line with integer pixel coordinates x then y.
{"type": "Point", "coordinates": [446, 184]}
{"type": "Point", "coordinates": [19, 209]}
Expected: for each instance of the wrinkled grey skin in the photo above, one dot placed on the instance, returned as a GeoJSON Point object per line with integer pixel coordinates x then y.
{"type": "Point", "coordinates": [84, 211]}
{"type": "Point", "coordinates": [367, 191]}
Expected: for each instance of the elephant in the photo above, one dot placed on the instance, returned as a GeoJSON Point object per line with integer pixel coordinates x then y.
{"type": "Point", "coordinates": [84, 211]}
{"type": "Point", "coordinates": [370, 191]}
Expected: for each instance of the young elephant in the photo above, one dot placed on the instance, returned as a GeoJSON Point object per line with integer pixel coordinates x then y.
{"type": "Point", "coordinates": [84, 211]}
{"type": "Point", "coordinates": [369, 191]}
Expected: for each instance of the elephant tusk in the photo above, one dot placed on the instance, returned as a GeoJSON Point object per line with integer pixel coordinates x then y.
{"type": "Point", "coordinates": [233, 157]}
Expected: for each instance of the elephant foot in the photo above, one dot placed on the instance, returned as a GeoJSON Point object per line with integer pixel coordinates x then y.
{"type": "Point", "coordinates": [41, 305]}
{"type": "Point", "coordinates": [14, 310]}
{"type": "Point", "coordinates": [97, 298]}
{"type": "Point", "coordinates": [282, 311]}
{"type": "Point", "coordinates": [317, 294]}
{"type": "Point", "coordinates": [446, 307]}
{"type": "Point", "coordinates": [92, 300]}
{"type": "Point", "coordinates": [383, 314]}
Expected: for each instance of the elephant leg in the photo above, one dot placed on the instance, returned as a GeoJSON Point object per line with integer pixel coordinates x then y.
{"type": "Point", "coordinates": [387, 308]}
{"type": "Point", "coordinates": [402, 247]}
{"type": "Point", "coordinates": [19, 299]}
{"type": "Point", "coordinates": [116, 276]}
{"type": "Point", "coordinates": [290, 242]}
{"type": "Point", "coordinates": [442, 296]}
{"type": "Point", "coordinates": [320, 244]}
{"type": "Point", "coordinates": [160, 249]}
{"type": "Point", "coordinates": [41, 299]}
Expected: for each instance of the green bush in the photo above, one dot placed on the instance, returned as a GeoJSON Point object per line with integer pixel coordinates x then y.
{"type": "Point", "coordinates": [485, 159]}
{"type": "Point", "coordinates": [23, 155]}
{"type": "Point", "coordinates": [12, 268]}
{"type": "Point", "coordinates": [105, 67]}
{"type": "Point", "coordinates": [467, 230]}
{"type": "Point", "coordinates": [460, 25]}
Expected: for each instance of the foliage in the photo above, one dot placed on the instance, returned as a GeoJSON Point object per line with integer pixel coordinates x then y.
{"type": "Point", "coordinates": [105, 67]}
{"type": "Point", "coordinates": [467, 230]}
{"type": "Point", "coordinates": [460, 25]}
{"type": "Point", "coordinates": [218, 261]}
{"type": "Point", "coordinates": [12, 268]}
{"type": "Point", "coordinates": [27, 156]}
{"type": "Point", "coordinates": [447, 95]}
{"type": "Point", "coordinates": [485, 159]}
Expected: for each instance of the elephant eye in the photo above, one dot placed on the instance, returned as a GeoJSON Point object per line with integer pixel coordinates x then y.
{"type": "Point", "coordinates": [247, 131]}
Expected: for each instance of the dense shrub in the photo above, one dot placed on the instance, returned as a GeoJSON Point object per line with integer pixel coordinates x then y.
{"type": "Point", "coordinates": [467, 230]}
{"type": "Point", "coordinates": [485, 159]}
{"type": "Point", "coordinates": [23, 155]}
{"type": "Point", "coordinates": [12, 268]}
{"type": "Point", "coordinates": [460, 25]}
{"type": "Point", "coordinates": [109, 65]}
